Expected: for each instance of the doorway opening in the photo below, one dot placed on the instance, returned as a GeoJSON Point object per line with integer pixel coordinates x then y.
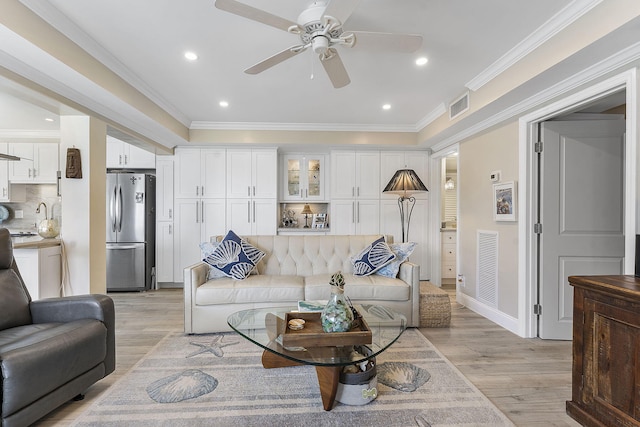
{"type": "Point", "coordinates": [614, 98]}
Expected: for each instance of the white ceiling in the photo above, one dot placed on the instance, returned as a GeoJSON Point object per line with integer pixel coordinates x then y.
{"type": "Point", "coordinates": [144, 41]}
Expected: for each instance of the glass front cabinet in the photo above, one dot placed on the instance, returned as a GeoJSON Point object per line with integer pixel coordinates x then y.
{"type": "Point", "coordinates": [304, 177]}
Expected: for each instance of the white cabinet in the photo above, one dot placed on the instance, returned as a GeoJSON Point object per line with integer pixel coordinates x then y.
{"type": "Point", "coordinates": [200, 173]}
{"type": "Point", "coordinates": [303, 177]}
{"type": "Point", "coordinates": [252, 174]}
{"type": "Point", "coordinates": [39, 164]}
{"type": "Point", "coordinates": [4, 175]}
{"type": "Point", "coordinates": [40, 269]}
{"type": "Point", "coordinates": [252, 191]}
{"type": "Point", "coordinates": [355, 175]}
{"type": "Point", "coordinates": [197, 220]}
{"type": "Point", "coordinates": [164, 219]}
{"type": "Point", "coordinates": [355, 216]}
{"type": "Point", "coordinates": [164, 188]}
{"type": "Point", "coordinates": [391, 161]}
{"type": "Point", "coordinates": [164, 251]}
{"type": "Point", "coordinates": [448, 242]}
{"type": "Point", "coordinates": [252, 216]}
{"type": "Point", "coordinates": [121, 154]}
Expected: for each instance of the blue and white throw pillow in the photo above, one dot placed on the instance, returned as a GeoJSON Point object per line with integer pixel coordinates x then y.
{"type": "Point", "coordinates": [372, 258]}
{"type": "Point", "coordinates": [234, 257]}
{"type": "Point", "coordinates": [207, 249]}
{"type": "Point", "coordinates": [403, 251]}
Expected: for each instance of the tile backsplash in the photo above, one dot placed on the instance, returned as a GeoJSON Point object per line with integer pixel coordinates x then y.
{"type": "Point", "coordinates": [35, 193]}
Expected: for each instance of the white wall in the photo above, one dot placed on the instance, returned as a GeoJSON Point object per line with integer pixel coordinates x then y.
{"type": "Point", "coordinates": [478, 157]}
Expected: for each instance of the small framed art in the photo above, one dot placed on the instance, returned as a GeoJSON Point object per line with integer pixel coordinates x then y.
{"type": "Point", "coordinates": [504, 201]}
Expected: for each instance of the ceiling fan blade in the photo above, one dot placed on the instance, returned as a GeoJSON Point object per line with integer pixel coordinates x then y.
{"type": "Point", "coordinates": [387, 41]}
{"type": "Point", "coordinates": [341, 9]}
{"type": "Point", "coordinates": [275, 59]}
{"type": "Point", "coordinates": [254, 14]}
{"type": "Point", "coordinates": [335, 69]}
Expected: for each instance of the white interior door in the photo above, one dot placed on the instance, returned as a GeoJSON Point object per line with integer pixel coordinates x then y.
{"type": "Point", "coordinates": [581, 212]}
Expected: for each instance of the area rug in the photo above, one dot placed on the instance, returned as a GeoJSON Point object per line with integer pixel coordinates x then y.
{"type": "Point", "coordinates": [218, 380]}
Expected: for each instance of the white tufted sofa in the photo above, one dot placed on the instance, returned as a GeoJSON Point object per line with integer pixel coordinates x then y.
{"type": "Point", "coordinates": [295, 268]}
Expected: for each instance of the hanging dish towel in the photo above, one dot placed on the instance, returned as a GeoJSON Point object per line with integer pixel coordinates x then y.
{"type": "Point", "coordinates": [74, 164]}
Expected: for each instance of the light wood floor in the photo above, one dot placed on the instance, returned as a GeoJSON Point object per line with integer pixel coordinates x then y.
{"type": "Point", "coordinates": [528, 379]}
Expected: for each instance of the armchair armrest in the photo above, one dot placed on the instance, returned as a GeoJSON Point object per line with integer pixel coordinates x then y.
{"type": "Point", "coordinates": [193, 276]}
{"type": "Point", "coordinates": [68, 309]}
{"type": "Point", "coordinates": [410, 273]}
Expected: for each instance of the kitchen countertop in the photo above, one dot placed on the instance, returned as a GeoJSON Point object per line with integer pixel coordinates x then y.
{"type": "Point", "coordinates": [34, 242]}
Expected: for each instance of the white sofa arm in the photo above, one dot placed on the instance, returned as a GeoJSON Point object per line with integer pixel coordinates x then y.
{"type": "Point", "coordinates": [194, 276]}
{"type": "Point", "coordinates": [410, 274]}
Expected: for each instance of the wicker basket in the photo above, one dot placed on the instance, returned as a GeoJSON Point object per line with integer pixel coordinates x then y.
{"type": "Point", "coordinates": [435, 307]}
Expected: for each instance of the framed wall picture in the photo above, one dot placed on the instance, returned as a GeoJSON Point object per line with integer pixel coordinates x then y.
{"type": "Point", "coordinates": [504, 201]}
{"type": "Point", "coordinates": [320, 221]}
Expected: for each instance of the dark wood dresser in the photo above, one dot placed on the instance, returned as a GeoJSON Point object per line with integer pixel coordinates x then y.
{"type": "Point", "coordinates": [606, 351]}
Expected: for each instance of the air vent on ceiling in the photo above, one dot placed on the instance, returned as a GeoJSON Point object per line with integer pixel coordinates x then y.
{"type": "Point", "coordinates": [459, 106]}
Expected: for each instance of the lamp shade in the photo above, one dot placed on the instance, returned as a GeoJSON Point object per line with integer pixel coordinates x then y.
{"type": "Point", "coordinates": [404, 183]}
{"type": "Point", "coordinates": [306, 210]}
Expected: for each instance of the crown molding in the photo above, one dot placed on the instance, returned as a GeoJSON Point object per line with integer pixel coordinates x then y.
{"type": "Point", "coordinates": [546, 31]}
{"type": "Point", "coordinates": [308, 127]}
{"type": "Point", "coordinates": [49, 13]}
{"type": "Point", "coordinates": [432, 116]}
{"type": "Point", "coordinates": [614, 62]}
{"type": "Point", "coordinates": [29, 134]}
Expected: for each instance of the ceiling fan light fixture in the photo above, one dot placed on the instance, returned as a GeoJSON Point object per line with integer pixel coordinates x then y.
{"type": "Point", "coordinates": [320, 44]}
{"type": "Point", "coordinates": [191, 56]}
{"type": "Point", "coordinates": [422, 61]}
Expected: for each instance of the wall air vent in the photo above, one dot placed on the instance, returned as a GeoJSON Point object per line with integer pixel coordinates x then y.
{"type": "Point", "coordinates": [487, 290]}
{"type": "Point", "coordinates": [459, 106]}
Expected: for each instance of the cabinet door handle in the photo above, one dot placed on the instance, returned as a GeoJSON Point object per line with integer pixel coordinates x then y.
{"type": "Point", "coordinates": [301, 196]}
{"type": "Point", "coordinates": [170, 213]}
{"type": "Point", "coordinates": [358, 205]}
{"type": "Point", "coordinates": [353, 212]}
{"type": "Point", "coordinates": [202, 190]}
{"type": "Point", "coordinates": [306, 193]}
{"type": "Point", "coordinates": [254, 211]}
{"type": "Point", "coordinates": [170, 228]}
{"type": "Point", "coordinates": [120, 159]}
{"type": "Point", "coordinates": [197, 219]}
{"type": "Point", "coordinates": [248, 191]}
{"type": "Point", "coordinates": [353, 191]}
{"type": "Point", "coordinates": [254, 190]}
{"type": "Point", "coordinates": [125, 159]}
{"type": "Point", "coordinates": [249, 211]}
{"type": "Point", "coordinates": [358, 192]}
{"type": "Point", "coordinates": [197, 190]}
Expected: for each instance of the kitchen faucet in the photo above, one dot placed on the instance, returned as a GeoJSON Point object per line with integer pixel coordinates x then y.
{"type": "Point", "coordinates": [45, 209]}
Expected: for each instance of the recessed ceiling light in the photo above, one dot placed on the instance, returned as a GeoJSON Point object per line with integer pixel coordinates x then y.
{"type": "Point", "coordinates": [422, 60]}
{"type": "Point", "coordinates": [48, 119]}
{"type": "Point", "coordinates": [386, 107]}
{"type": "Point", "coordinates": [191, 56]}
{"type": "Point", "coordinates": [224, 104]}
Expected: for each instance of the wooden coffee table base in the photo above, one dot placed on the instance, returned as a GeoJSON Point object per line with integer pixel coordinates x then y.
{"type": "Point", "coordinates": [328, 376]}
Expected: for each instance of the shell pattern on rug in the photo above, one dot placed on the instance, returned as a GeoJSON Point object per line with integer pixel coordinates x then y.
{"type": "Point", "coordinates": [185, 385]}
{"type": "Point", "coordinates": [402, 376]}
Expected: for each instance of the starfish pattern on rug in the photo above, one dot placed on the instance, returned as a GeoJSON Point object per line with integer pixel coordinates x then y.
{"type": "Point", "coordinates": [215, 347]}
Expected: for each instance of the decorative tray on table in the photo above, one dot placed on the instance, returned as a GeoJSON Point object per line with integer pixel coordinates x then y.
{"type": "Point", "coordinates": [313, 336]}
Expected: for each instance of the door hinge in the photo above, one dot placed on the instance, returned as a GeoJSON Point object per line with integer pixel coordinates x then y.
{"type": "Point", "coordinates": [537, 228]}
{"type": "Point", "coordinates": [538, 147]}
{"type": "Point", "coordinates": [537, 309]}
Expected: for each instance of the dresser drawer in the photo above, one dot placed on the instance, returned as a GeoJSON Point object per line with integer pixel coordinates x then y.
{"type": "Point", "coordinates": [448, 270]}
{"type": "Point", "coordinates": [448, 237]}
{"type": "Point", "coordinates": [449, 253]}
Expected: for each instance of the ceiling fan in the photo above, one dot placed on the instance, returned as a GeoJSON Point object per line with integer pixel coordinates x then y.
{"type": "Point", "coordinates": [320, 28]}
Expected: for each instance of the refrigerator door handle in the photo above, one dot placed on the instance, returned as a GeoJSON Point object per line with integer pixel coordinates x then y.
{"type": "Point", "coordinates": [119, 204]}
{"type": "Point", "coordinates": [112, 209]}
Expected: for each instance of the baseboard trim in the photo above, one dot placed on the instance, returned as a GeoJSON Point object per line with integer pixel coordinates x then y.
{"type": "Point", "coordinates": [496, 316]}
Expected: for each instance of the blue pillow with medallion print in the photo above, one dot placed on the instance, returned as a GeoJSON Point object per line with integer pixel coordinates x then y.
{"type": "Point", "coordinates": [372, 258]}
{"type": "Point", "coordinates": [234, 257]}
{"type": "Point", "coordinates": [403, 251]}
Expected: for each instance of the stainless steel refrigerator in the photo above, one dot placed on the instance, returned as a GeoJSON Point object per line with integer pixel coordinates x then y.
{"type": "Point", "coordinates": [131, 218]}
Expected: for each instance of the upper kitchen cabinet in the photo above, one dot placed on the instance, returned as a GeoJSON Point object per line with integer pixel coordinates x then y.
{"type": "Point", "coordinates": [355, 175]}
{"type": "Point", "coordinates": [39, 163]}
{"type": "Point", "coordinates": [252, 173]}
{"type": "Point", "coordinates": [303, 177]}
{"type": "Point", "coordinates": [164, 188]}
{"type": "Point", "coordinates": [200, 173]}
{"type": "Point", "coordinates": [391, 161]}
{"type": "Point", "coordinates": [124, 155]}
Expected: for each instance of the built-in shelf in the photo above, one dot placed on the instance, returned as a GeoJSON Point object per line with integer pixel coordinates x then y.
{"type": "Point", "coordinates": [291, 218]}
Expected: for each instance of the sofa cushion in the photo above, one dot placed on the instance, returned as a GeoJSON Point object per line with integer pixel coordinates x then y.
{"type": "Point", "coordinates": [235, 257]}
{"type": "Point", "coordinates": [14, 301]}
{"type": "Point", "coordinates": [37, 359]}
{"type": "Point", "coordinates": [403, 251]}
{"type": "Point", "coordinates": [207, 249]}
{"type": "Point", "coordinates": [372, 258]}
{"type": "Point", "coordinates": [358, 288]}
{"type": "Point", "coordinates": [254, 289]}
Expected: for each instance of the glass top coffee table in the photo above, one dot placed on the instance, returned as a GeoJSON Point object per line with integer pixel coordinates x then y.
{"type": "Point", "coordinates": [328, 352]}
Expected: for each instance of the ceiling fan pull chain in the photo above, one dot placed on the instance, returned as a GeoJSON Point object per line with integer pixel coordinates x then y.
{"type": "Point", "coordinates": [312, 67]}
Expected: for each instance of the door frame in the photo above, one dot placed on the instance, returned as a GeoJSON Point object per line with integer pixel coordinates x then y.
{"type": "Point", "coordinates": [527, 188]}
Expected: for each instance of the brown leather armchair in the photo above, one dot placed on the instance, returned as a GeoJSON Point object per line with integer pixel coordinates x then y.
{"type": "Point", "coordinates": [51, 350]}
